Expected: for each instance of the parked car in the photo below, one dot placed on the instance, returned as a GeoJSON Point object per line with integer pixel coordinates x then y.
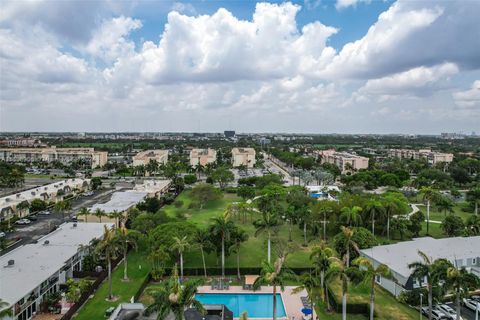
{"type": "Point", "coordinates": [2, 234]}
{"type": "Point", "coordinates": [33, 218]}
{"type": "Point", "coordinates": [23, 221]}
{"type": "Point", "coordinates": [449, 311]}
{"type": "Point", "coordinates": [476, 298]}
{"type": "Point", "coordinates": [436, 314]}
{"type": "Point", "coordinates": [74, 219]}
{"type": "Point", "coordinates": [470, 304]}
{"type": "Point", "coordinates": [45, 213]}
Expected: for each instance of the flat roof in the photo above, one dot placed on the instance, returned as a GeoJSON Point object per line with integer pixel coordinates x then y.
{"type": "Point", "coordinates": [120, 201]}
{"type": "Point", "coordinates": [399, 255]}
{"type": "Point", "coordinates": [37, 262]}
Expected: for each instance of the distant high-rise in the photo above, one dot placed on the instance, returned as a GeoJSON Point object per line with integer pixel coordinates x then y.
{"type": "Point", "coordinates": [229, 134]}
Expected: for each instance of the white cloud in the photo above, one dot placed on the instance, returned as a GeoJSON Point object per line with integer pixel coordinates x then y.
{"type": "Point", "coordinates": [469, 99]}
{"type": "Point", "coordinates": [342, 4]}
{"type": "Point", "coordinates": [185, 8]}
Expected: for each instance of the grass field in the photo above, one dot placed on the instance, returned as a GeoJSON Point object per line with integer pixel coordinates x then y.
{"type": "Point", "coordinates": [138, 269]}
{"type": "Point", "coordinates": [252, 252]}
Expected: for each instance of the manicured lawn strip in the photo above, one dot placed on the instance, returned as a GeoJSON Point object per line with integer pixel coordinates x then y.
{"type": "Point", "coordinates": [138, 269]}
{"type": "Point", "coordinates": [386, 306]}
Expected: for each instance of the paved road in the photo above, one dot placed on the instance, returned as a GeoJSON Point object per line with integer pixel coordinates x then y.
{"type": "Point", "coordinates": [466, 313]}
{"type": "Point", "coordinates": [275, 168]}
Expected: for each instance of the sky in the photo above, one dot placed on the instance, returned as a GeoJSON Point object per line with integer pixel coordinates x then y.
{"type": "Point", "coordinates": [312, 66]}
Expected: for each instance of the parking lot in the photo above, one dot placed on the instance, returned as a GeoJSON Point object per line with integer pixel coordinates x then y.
{"type": "Point", "coordinates": [467, 314]}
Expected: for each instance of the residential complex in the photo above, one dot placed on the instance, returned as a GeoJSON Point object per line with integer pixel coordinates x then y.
{"type": "Point", "coordinates": [344, 161]}
{"type": "Point", "coordinates": [24, 142]}
{"type": "Point", "coordinates": [18, 204]}
{"type": "Point", "coordinates": [460, 251]}
{"type": "Point", "coordinates": [431, 156]}
{"type": "Point", "coordinates": [243, 157]}
{"type": "Point", "coordinates": [202, 157]}
{"type": "Point", "coordinates": [32, 271]}
{"type": "Point", "coordinates": [51, 154]}
{"type": "Point", "coordinates": [144, 157]}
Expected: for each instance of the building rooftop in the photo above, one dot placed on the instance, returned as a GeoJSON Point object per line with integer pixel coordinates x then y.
{"type": "Point", "coordinates": [243, 150]}
{"type": "Point", "coordinates": [150, 154]}
{"type": "Point", "coordinates": [398, 256]}
{"type": "Point", "coordinates": [120, 201]}
{"type": "Point", "coordinates": [37, 262]}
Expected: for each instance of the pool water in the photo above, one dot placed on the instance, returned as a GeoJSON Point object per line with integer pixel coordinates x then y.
{"type": "Point", "coordinates": [257, 305]}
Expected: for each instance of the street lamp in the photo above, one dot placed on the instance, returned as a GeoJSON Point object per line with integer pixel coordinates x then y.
{"type": "Point", "coordinates": [477, 309]}
{"type": "Point", "coordinates": [421, 296]}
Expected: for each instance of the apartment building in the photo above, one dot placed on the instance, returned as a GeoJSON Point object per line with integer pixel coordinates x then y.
{"type": "Point", "coordinates": [144, 157]}
{"type": "Point", "coordinates": [18, 204]}
{"type": "Point", "coordinates": [25, 142]}
{"type": "Point", "coordinates": [243, 157]}
{"type": "Point", "coordinates": [51, 154]}
{"type": "Point", "coordinates": [343, 160]}
{"type": "Point", "coordinates": [32, 271]}
{"type": "Point", "coordinates": [460, 251]}
{"type": "Point", "coordinates": [431, 156]}
{"type": "Point", "coordinates": [202, 157]}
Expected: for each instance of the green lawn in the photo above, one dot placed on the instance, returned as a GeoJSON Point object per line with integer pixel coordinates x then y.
{"type": "Point", "coordinates": [386, 306]}
{"type": "Point", "coordinates": [253, 251]}
{"type": "Point", "coordinates": [138, 269]}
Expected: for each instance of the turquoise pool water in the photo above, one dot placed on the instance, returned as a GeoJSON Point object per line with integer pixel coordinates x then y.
{"type": "Point", "coordinates": [257, 305]}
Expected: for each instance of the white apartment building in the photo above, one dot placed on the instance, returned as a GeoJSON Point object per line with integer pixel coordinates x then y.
{"type": "Point", "coordinates": [431, 156]}
{"type": "Point", "coordinates": [32, 271]}
{"type": "Point", "coordinates": [460, 251]}
{"type": "Point", "coordinates": [202, 157]}
{"type": "Point", "coordinates": [144, 157]}
{"type": "Point", "coordinates": [343, 160]}
{"type": "Point", "coordinates": [63, 155]}
{"type": "Point", "coordinates": [18, 203]}
{"type": "Point", "coordinates": [243, 156]}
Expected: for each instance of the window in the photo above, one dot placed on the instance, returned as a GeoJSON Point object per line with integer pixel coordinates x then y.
{"type": "Point", "coordinates": [378, 279]}
{"type": "Point", "coordinates": [474, 261]}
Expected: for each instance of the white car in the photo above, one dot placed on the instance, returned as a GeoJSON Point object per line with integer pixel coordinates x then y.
{"type": "Point", "coordinates": [2, 234]}
{"type": "Point", "coordinates": [23, 221]}
{"type": "Point", "coordinates": [471, 304]}
{"type": "Point", "coordinates": [449, 311]}
{"type": "Point", "coordinates": [436, 314]}
{"type": "Point", "coordinates": [45, 213]}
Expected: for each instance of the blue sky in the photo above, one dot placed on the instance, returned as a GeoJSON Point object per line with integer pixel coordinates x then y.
{"type": "Point", "coordinates": [348, 66]}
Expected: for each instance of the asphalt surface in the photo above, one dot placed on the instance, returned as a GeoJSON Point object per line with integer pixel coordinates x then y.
{"type": "Point", "coordinates": [466, 313]}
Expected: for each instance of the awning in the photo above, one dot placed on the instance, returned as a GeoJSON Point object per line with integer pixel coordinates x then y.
{"type": "Point", "coordinates": [250, 279]}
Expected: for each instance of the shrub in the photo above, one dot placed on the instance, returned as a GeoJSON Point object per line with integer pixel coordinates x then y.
{"type": "Point", "coordinates": [178, 204]}
{"type": "Point", "coordinates": [190, 179]}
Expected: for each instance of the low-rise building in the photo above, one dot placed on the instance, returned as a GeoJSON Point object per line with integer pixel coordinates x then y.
{"type": "Point", "coordinates": [18, 203]}
{"type": "Point", "coordinates": [144, 157]}
{"type": "Point", "coordinates": [346, 162]}
{"type": "Point", "coordinates": [202, 157]}
{"type": "Point", "coordinates": [24, 142]}
{"type": "Point", "coordinates": [243, 157]}
{"type": "Point", "coordinates": [431, 156]}
{"type": "Point", "coordinates": [63, 155]}
{"type": "Point", "coordinates": [32, 271]}
{"type": "Point", "coordinates": [460, 251]}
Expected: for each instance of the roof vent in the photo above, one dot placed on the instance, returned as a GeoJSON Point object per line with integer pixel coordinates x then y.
{"type": "Point", "coordinates": [46, 242]}
{"type": "Point", "coordinates": [10, 263]}
{"type": "Point", "coordinates": [74, 225]}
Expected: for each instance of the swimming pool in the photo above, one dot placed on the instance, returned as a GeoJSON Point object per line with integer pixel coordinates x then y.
{"type": "Point", "coordinates": [257, 305]}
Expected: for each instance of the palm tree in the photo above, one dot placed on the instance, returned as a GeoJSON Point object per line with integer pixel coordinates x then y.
{"type": "Point", "coordinates": [340, 270]}
{"type": "Point", "coordinates": [373, 209]}
{"type": "Point", "coordinates": [266, 224]}
{"type": "Point", "coordinates": [322, 256]}
{"type": "Point", "coordinates": [474, 196]}
{"type": "Point", "coordinates": [180, 245]}
{"type": "Point", "coordinates": [202, 239]}
{"type": "Point", "coordinates": [84, 211]}
{"type": "Point", "coordinates": [239, 236]}
{"type": "Point", "coordinates": [108, 247]}
{"type": "Point", "coordinates": [444, 204]}
{"type": "Point", "coordinates": [351, 216]}
{"type": "Point", "coordinates": [127, 238]}
{"type": "Point", "coordinates": [61, 207]}
{"type": "Point", "coordinates": [99, 213]}
{"type": "Point", "coordinates": [222, 226]}
{"type": "Point", "coordinates": [391, 206]}
{"type": "Point", "coordinates": [429, 195]}
{"type": "Point", "coordinates": [173, 298]}
{"type": "Point", "coordinates": [461, 282]}
{"type": "Point", "coordinates": [370, 274]}
{"type": "Point", "coordinates": [308, 282]}
{"type": "Point", "coordinates": [348, 234]}
{"type": "Point", "coordinates": [276, 276]}
{"type": "Point", "coordinates": [117, 216]}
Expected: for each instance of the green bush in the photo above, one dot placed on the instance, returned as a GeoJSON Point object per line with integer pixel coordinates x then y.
{"type": "Point", "coordinates": [178, 204]}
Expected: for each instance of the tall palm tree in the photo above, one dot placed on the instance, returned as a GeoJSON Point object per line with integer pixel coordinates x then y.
{"type": "Point", "coordinates": [238, 236]}
{"type": "Point", "coordinates": [108, 247]}
{"type": "Point", "coordinates": [349, 243]}
{"type": "Point", "coordinates": [180, 245]}
{"type": "Point", "coordinates": [474, 196]}
{"type": "Point", "coordinates": [61, 207]}
{"type": "Point", "coordinates": [321, 257]}
{"type": "Point", "coordinates": [202, 240]}
{"type": "Point", "coordinates": [117, 216]}
{"type": "Point", "coordinates": [461, 281]}
{"type": "Point", "coordinates": [351, 216]}
{"type": "Point", "coordinates": [222, 226]}
{"type": "Point", "coordinates": [308, 282]}
{"type": "Point", "coordinates": [340, 271]}
{"type": "Point", "coordinates": [174, 298]}
{"type": "Point", "coordinates": [276, 276]}
{"type": "Point", "coordinates": [370, 274]}
{"type": "Point", "coordinates": [374, 209]}
{"type": "Point", "coordinates": [391, 208]}
{"type": "Point", "coordinates": [84, 211]}
{"type": "Point", "coordinates": [99, 213]}
{"type": "Point", "coordinates": [428, 195]}
{"type": "Point", "coordinates": [127, 238]}
{"type": "Point", "coordinates": [267, 224]}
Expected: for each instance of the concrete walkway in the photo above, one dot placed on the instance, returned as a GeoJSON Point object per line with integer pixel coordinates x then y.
{"type": "Point", "coordinates": [415, 209]}
{"type": "Point", "coordinates": [291, 301]}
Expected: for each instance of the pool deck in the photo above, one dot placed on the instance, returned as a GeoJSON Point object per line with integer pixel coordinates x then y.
{"type": "Point", "coordinates": [291, 301]}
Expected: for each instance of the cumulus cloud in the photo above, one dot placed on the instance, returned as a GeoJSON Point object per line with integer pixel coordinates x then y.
{"type": "Point", "coordinates": [342, 4]}
{"type": "Point", "coordinates": [469, 99]}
